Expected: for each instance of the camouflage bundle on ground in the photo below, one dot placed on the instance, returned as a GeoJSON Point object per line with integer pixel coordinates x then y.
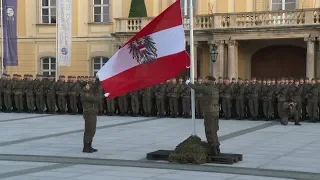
{"type": "Point", "coordinates": [192, 150]}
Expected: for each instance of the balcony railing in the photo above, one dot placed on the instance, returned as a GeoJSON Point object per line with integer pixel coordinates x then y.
{"type": "Point", "coordinates": [259, 19]}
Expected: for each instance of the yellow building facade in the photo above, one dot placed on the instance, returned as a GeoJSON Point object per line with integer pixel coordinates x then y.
{"type": "Point", "coordinates": [261, 38]}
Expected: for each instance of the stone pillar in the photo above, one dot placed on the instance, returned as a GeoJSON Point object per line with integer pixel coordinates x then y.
{"type": "Point", "coordinates": [218, 66]}
{"type": "Point", "coordinates": [231, 5]}
{"type": "Point", "coordinates": [250, 5]}
{"type": "Point", "coordinates": [232, 59]}
{"type": "Point", "coordinates": [310, 62]}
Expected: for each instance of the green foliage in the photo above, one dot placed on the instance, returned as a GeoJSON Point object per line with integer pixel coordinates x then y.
{"type": "Point", "coordinates": [192, 150]}
{"type": "Point", "coordinates": [138, 9]}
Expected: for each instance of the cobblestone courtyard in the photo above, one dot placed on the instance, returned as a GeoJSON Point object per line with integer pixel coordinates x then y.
{"type": "Point", "coordinates": [49, 147]}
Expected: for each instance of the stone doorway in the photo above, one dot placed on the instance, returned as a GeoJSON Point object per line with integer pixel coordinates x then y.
{"type": "Point", "coordinates": [279, 61]}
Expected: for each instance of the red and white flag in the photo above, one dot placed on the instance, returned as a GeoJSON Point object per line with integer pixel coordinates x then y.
{"type": "Point", "coordinates": [154, 55]}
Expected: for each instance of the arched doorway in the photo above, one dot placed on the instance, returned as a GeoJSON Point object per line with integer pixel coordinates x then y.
{"type": "Point", "coordinates": [279, 61]}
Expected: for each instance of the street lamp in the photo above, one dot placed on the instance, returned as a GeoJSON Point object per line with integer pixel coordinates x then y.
{"type": "Point", "coordinates": [213, 53]}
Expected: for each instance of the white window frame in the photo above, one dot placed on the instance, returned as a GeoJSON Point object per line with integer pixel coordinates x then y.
{"type": "Point", "coordinates": [51, 65]}
{"type": "Point", "coordinates": [101, 6]}
{"type": "Point", "coordinates": [94, 70]}
{"type": "Point", "coordinates": [49, 7]}
{"type": "Point", "coordinates": [283, 4]}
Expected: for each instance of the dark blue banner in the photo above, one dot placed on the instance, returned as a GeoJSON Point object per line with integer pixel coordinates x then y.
{"type": "Point", "coordinates": [10, 48]}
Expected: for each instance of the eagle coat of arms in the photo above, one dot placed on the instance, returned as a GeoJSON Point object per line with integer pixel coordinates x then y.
{"type": "Point", "coordinates": [143, 50]}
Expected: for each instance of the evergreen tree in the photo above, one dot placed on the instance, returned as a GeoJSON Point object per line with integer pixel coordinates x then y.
{"type": "Point", "coordinates": [138, 9]}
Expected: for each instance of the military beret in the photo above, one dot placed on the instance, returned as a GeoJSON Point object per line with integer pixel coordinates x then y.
{"type": "Point", "coordinates": [86, 76]}
{"type": "Point", "coordinates": [239, 78]}
{"type": "Point", "coordinates": [306, 78]}
{"type": "Point", "coordinates": [79, 76]}
{"type": "Point", "coordinates": [253, 78]}
{"type": "Point", "coordinates": [312, 79]}
{"type": "Point", "coordinates": [233, 78]}
{"type": "Point", "coordinates": [211, 78]}
{"type": "Point", "coordinates": [62, 76]}
{"type": "Point", "coordinates": [246, 80]}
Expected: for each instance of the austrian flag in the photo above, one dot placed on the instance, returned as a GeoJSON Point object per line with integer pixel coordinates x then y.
{"type": "Point", "coordinates": [154, 55]}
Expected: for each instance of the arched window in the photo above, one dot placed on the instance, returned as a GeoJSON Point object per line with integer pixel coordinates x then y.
{"type": "Point", "coordinates": [48, 66]}
{"type": "Point", "coordinates": [97, 63]}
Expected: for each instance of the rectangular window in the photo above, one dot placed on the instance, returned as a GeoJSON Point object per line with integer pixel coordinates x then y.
{"type": "Point", "coordinates": [48, 11]}
{"type": "Point", "coordinates": [101, 11]}
{"type": "Point", "coordinates": [283, 5]}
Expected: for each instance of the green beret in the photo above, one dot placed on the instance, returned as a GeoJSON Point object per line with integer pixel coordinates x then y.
{"type": "Point", "coordinates": [211, 78]}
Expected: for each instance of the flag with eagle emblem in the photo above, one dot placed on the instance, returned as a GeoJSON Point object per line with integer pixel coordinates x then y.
{"type": "Point", "coordinates": [155, 54]}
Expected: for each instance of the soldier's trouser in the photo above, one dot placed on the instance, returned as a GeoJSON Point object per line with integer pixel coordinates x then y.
{"type": "Point", "coordinates": [211, 125]}
{"type": "Point", "coordinates": [240, 107]}
{"type": "Point", "coordinates": [160, 106]}
{"type": "Point", "coordinates": [30, 102]}
{"type": "Point", "coordinates": [267, 108]}
{"type": "Point", "coordinates": [312, 110]}
{"type": "Point", "coordinates": [233, 107]}
{"type": "Point", "coordinates": [173, 103]}
{"type": "Point", "coordinates": [299, 109]}
{"type": "Point", "coordinates": [304, 107]}
{"type": "Point", "coordinates": [279, 106]}
{"type": "Point", "coordinates": [147, 105]}
{"type": "Point", "coordinates": [226, 106]}
{"type": "Point", "coordinates": [51, 101]}
{"type": "Point", "coordinates": [275, 108]}
{"type": "Point", "coordinates": [68, 103]}
{"type": "Point", "coordinates": [135, 105]}
{"type": "Point", "coordinates": [40, 103]}
{"type": "Point", "coordinates": [1, 100]}
{"type": "Point", "coordinates": [8, 101]}
{"type": "Point", "coordinates": [62, 102]}
{"type": "Point", "coordinates": [18, 100]}
{"type": "Point", "coordinates": [123, 104]}
{"type": "Point", "coordinates": [111, 105]}
{"type": "Point", "coordinates": [73, 103]}
{"type": "Point", "coordinates": [186, 105]}
{"type": "Point", "coordinates": [80, 109]}
{"type": "Point", "coordinates": [101, 105]}
{"type": "Point", "coordinates": [199, 107]}
{"type": "Point", "coordinates": [89, 127]}
{"type": "Point", "coordinates": [253, 106]}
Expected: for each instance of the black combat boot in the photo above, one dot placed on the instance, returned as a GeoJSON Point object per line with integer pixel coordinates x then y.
{"type": "Point", "coordinates": [91, 148]}
{"type": "Point", "coordinates": [86, 148]}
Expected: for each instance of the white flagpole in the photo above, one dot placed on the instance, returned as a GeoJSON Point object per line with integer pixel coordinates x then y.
{"type": "Point", "coordinates": [193, 111]}
{"type": "Point", "coordinates": [2, 53]}
{"type": "Point", "coordinates": [57, 27]}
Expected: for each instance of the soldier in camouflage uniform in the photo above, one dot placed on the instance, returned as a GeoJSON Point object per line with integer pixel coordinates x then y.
{"type": "Point", "coordinates": [74, 91]}
{"type": "Point", "coordinates": [173, 94]}
{"type": "Point", "coordinates": [239, 93]}
{"type": "Point", "coordinates": [211, 112]}
{"type": "Point", "coordinates": [289, 110]}
{"type": "Point", "coordinates": [18, 91]}
{"type": "Point", "coordinates": [267, 97]}
{"type": "Point", "coordinates": [312, 99]}
{"type": "Point", "coordinates": [2, 82]}
{"type": "Point", "coordinates": [253, 95]}
{"type": "Point", "coordinates": [123, 104]}
{"type": "Point", "coordinates": [39, 91]}
{"type": "Point", "coordinates": [185, 93]}
{"type": "Point", "coordinates": [30, 93]}
{"type": "Point", "coordinates": [226, 93]}
{"type": "Point", "coordinates": [50, 90]}
{"type": "Point", "coordinates": [160, 94]}
{"type": "Point", "coordinates": [62, 92]}
{"type": "Point", "coordinates": [198, 99]}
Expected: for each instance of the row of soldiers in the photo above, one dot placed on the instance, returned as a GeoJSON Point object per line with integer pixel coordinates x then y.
{"type": "Point", "coordinates": [241, 99]}
{"type": "Point", "coordinates": [264, 98]}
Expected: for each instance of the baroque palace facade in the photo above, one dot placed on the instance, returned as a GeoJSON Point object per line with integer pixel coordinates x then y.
{"type": "Point", "coordinates": [260, 38]}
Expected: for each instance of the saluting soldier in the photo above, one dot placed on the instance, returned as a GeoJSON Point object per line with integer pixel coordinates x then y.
{"type": "Point", "coordinates": [312, 99]}
{"type": "Point", "coordinates": [239, 93]}
{"type": "Point", "coordinates": [185, 93]}
{"type": "Point", "coordinates": [160, 93]}
{"type": "Point", "coordinates": [211, 112]}
{"type": "Point", "coordinates": [135, 103]}
{"type": "Point", "coordinates": [226, 93]}
{"type": "Point", "coordinates": [173, 94]}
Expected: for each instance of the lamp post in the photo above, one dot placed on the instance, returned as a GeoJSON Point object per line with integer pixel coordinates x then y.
{"type": "Point", "coordinates": [213, 53]}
